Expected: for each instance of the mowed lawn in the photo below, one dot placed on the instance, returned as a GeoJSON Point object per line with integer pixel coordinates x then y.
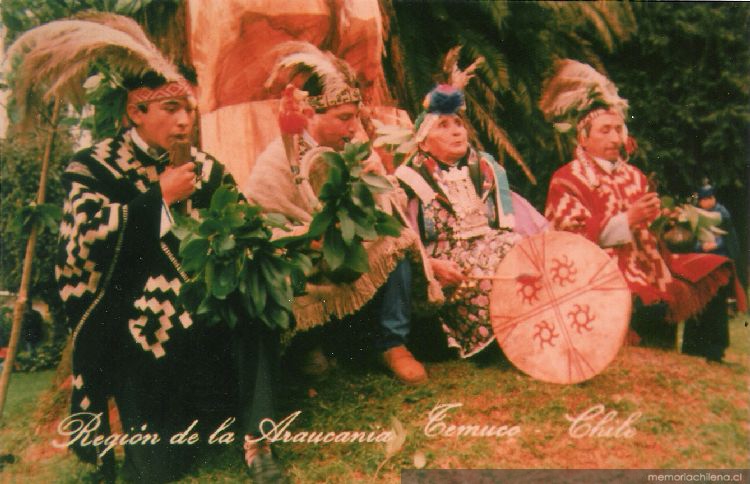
{"type": "Point", "coordinates": [665, 410]}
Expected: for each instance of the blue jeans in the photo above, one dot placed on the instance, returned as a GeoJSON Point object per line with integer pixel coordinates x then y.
{"type": "Point", "coordinates": [383, 323]}
{"type": "Point", "coordinates": [393, 306]}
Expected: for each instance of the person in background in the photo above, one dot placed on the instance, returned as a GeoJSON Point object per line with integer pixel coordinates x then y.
{"type": "Point", "coordinates": [725, 244]}
{"type": "Point", "coordinates": [32, 329]}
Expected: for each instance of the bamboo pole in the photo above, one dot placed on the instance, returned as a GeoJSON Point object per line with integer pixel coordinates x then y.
{"type": "Point", "coordinates": [23, 291]}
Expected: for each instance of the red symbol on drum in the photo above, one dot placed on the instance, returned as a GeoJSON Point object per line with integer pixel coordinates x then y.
{"type": "Point", "coordinates": [563, 271]}
{"type": "Point", "coordinates": [546, 333]}
{"type": "Point", "coordinates": [529, 287]}
{"type": "Point", "coordinates": [580, 317]}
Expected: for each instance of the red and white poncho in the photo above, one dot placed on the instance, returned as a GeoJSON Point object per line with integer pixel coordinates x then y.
{"type": "Point", "coordinates": [583, 198]}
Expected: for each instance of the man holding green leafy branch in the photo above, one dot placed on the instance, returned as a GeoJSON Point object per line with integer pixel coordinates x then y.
{"type": "Point", "coordinates": [136, 338]}
{"type": "Point", "coordinates": [381, 296]}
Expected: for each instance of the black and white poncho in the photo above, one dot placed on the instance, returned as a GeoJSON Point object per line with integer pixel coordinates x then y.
{"type": "Point", "coordinates": [119, 281]}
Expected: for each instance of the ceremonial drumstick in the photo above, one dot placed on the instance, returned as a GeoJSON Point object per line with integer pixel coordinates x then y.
{"type": "Point", "coordinates": [509, 278]}
{"type": "Point", "coordinates": [434, 289]}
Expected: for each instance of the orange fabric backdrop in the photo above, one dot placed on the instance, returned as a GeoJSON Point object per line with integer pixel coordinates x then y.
{"type": "Point", "coordinates": [230, 44]}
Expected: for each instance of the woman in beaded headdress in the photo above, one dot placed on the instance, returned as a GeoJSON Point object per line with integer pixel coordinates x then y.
{"type": "Point", "coordinates": [467, 216]}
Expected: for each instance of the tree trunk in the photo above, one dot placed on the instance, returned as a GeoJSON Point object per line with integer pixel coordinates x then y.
{"type": "Point", "coordinates": [20, 305]}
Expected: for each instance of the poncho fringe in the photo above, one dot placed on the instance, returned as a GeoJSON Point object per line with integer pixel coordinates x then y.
{"type": "Point", "coordinates": [326, 301]}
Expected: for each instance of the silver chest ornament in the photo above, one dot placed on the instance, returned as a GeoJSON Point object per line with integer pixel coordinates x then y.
{"type": "Point", "coordinates": [470, 209]}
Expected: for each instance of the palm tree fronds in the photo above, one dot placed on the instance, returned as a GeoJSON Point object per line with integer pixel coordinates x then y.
{"type": "Point", "coordinates": [498, 136]}
{"type": "Point", "coordinates": [495, 65]}
{"type": "Point", "coordinates": [498, 11]}
{"type": "Point", "coordinates": [522, 97]}
{"type": "Point", "coordinates": [590, 12]}
{"type": "Point", "coordinates": [619, 17]}
{"type": "Point", "coordinates": [490, 99]}
{"type": "Point", "coordinates": [612, 21]}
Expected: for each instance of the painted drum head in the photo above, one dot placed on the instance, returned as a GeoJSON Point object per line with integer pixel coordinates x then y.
{"type": "Point", "coordinates": [560, 307]}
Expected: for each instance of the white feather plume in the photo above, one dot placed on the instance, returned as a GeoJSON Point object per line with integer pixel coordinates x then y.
{"type": "Point", "coordinates": [575, 88]}
{"type": "Point", "coordinates": [56, 57]}
{"type": "Point", "coordinates": [334, 73]}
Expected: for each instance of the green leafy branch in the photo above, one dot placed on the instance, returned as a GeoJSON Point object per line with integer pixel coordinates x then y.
{"type": "Point", "coordinates": [104, 91]}
{"type": "Point", "coordinates": [45, 216]}
{"type": "Point", "coordinates": [237, 273]}
{"type": "Point", "coordinates": [349, 215]}
{"type": "Point", "coordinates": [663, 221]}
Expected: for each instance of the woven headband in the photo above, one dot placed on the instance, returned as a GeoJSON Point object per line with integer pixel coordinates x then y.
{"type": "Point", "coordinates": [344, 95]}
{"type": "Point", "coordinates": [180, 88]}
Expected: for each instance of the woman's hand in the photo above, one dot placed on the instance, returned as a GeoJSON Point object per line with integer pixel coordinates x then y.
{"type": "Point", "coordinates": [447, 272]}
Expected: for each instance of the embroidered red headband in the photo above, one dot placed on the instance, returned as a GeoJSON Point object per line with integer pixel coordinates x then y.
{"type": "Point", "coordinates": [141, 95]}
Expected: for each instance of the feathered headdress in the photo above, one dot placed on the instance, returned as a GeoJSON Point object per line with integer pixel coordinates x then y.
{"type": "Point", "coordinates": [336, 76]}
{"type": "Point", "coordinates": [459, 78]}
{"type": "Point", "coordinates": [575, 91]}
{"type": "Point", "coordinates": [57, 57]}
{"type": "Point", "coordinates": [447, 98]}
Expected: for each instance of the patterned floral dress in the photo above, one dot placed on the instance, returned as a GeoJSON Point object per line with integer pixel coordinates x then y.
{"type": "Point", "coordinates": [465, 314]}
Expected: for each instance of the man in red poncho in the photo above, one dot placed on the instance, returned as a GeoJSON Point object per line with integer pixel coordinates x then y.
{"type": "Point", "coordinates": [604, 198]}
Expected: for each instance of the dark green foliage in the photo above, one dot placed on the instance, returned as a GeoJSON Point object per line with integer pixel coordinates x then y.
{"type": "Point", "coordinates": [6, 324]}
{"type": "Point", "coordinates": [20, 166]}
{"type": "Point", "coordinates": [686, 77]}
{"type": "Point", "coordinates": [237, 273]}
{"type": "Point", "coordinates": [349, 215]}
{"type": "Point", "coordinates": [46, 356]}
{"type": "Point", "coordinates": [47, 216]}
{"type": "Point", "coordinates": [108, 98]}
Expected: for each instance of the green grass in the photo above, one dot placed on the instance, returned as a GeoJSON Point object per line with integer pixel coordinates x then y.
{"type": "Point", "coordinates": [19, 407]}
{"type": "Point", "coordinates": [693, 415]}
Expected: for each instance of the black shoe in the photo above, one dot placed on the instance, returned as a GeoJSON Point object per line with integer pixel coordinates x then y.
{"type": "Point", "coordinates": [262, 465]}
